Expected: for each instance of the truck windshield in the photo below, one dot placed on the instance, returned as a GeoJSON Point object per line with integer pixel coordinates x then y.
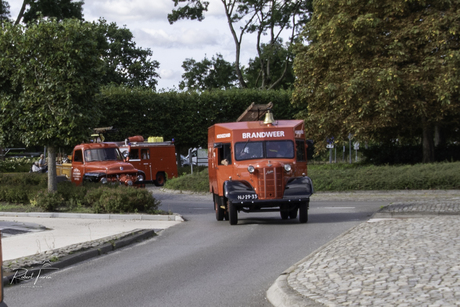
{"type": "Point", "coordinates": [265, 149]}
{"type": "Point", "coordinates": [103, 154]}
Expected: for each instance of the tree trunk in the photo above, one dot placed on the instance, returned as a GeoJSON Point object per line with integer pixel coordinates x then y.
{"type": "Point", "coordinates": [21, 12]}
{"type": "Point", "coordinates": [428, 145]}
{"type": "Point", "coordinates": [52, 181]}
{"type": "Point", "coordinates": [439, 138]}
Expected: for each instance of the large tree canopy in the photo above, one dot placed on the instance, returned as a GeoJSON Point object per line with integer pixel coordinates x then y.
{"type": "Point", "coordinates": [4, 11]}
{"type": "Point", "coordinates": [380, 69]}
{"type": "Point", "coordinates": [274, 58]}
{"type": "Point", "coordinates": [208, 74]}
{"type": "Point", "coordinates": [125, 63]}
{"type": "Point", "coordinates": [58, 9]}
{"type": "Point", "coordinates": [265, 18]}
{"type": "Point", "coordinates": [49, 75]}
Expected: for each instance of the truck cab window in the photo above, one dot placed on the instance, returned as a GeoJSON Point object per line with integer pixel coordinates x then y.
{"type": "Point", "coordinates": [300, 150]}
{"type": "Point", "coordinates": [249, 150]}
{"type": "Point", "coordinates": [134, 154]}
{"type": "Point", "coordinates": [78, 156]}
{"type": "Point", "coordinates": [224, 154]}
{"type": "Point", "coordinates": [280, 149]}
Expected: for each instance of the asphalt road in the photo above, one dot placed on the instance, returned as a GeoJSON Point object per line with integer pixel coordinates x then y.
{"type": "Point", "coordinates": [201, 262]}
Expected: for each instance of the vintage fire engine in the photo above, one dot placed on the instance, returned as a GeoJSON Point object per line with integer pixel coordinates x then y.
{"type": "Point", "coordinates": [259, 166]}
{"type": "Point", "coordinates": [156, 158]}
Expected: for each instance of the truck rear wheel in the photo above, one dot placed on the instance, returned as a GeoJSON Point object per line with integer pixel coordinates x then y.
{"type": "Point", "coordinates": [303, 211]}
{"type": "Point", "coordinates": [160, 179]}
{"type": "Point", "coordinates": [217, 208]}
{"type": "Point", "coordinates": [233, 213]}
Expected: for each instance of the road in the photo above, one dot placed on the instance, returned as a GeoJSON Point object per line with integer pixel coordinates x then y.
{"type": "Point", "coordinates": [201, 262]}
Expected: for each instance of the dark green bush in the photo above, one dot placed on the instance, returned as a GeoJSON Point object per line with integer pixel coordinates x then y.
{"type": "Point", "coordinates": [198, 182]}
{"type": "Point", "coordinates": [47, 201]}
{"type": "Point", "coordinates": [121, 200]}
{"type": "Point", "coordinates": [408, 154]}
{"type": "Point", "coordinates": [24, 179]}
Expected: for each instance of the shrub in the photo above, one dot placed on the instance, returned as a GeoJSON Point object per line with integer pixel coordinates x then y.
{"type": "Point", "coordinates": [121, 200]}
{"type": "Point", "coordinates": [14, 165]}
{"type": "Point", "coordinates": [47, 201]}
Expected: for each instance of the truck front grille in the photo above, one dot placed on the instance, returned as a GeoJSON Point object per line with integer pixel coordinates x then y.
{"type": "Point", "coordinates": [270, 183]}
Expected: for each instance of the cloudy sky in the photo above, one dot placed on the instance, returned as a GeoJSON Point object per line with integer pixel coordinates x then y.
{"type": "Point", "coordinates": [170, 44]}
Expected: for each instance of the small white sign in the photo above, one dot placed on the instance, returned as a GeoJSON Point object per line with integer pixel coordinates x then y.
{"type": "Point", "coordinates": [356, 145]}
{"type": "Point", "coordinates": [330, 146]}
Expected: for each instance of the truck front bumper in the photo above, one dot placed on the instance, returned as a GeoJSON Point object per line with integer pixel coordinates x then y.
{"type": "Point", "coordinates": [241, 193]}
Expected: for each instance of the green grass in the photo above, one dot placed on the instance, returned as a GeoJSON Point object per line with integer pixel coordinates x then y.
{"type": "Point", "coordinates": [356, 176]}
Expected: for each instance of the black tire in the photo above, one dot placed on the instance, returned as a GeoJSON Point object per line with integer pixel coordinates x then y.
{"type": "Point", "coordinates": [160, 179]}
{"type": "Point", "coordinates": [284, 214]}
{"type": "Point", "coordinates": [233, 213]}
{"type": "Point", "coordinates": [293, 214]}
{"type": "Point", "coordinates": [217, 208]}
{"type": "Point", "coordinates": [303, 211]}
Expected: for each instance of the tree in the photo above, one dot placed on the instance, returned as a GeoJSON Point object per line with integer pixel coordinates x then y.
{"type": "Point", "coordinates": [4, 11]}
{"type": "Point", "coordinates": [263, 17]}
{"type": "Point", "coordinates": [50, 73]}
{"type": "Point", "coordinates": [124, 62]}
{"type": "Point", "coordinates": [208, 74]}
{"type": "Point", "coordinates": [59, 9]}
{"type": "Point", "coordinates": [274, 57]}
{"type": "Point", "coordinates": [373, 67]}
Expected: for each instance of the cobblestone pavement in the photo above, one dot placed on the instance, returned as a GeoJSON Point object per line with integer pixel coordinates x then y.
{"type": "Point", "coordinates": [406, 255]}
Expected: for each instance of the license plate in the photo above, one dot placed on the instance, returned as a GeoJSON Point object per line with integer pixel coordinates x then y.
{"type": "Point", "coordinates": [247, 197]}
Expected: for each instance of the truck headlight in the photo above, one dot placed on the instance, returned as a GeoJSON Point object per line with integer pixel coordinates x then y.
{"type": "Point", "coordinates": [140, 177]}
{"type": "Point", "coordinates": [287, 167]}
{"type": "Point", "coordinates": [251, 169]}
{"type": "Point", "coordinates": [103, 180]}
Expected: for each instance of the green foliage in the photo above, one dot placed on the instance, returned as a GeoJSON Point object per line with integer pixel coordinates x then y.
{"type": "Point", "coordinates": [47, 201]}
{"type": "Point", "coordinates": [4, 11]}
{"type": "Point", "coordinates": [356, 176]}
{"type": "Point", "coordinates": [90, 197]}
{"type": "Point", "coordinates": [413, 177]}
{"type": "Point", "coordinates": [196, 182]}
{"type": "Point", "coordinates": [265, 18]}
{"type": "Point", "coordinates": [23, 179]}
{"type": "Point", "coordinates": [124, 62]}
{"type": "Point", "coordinates": [407, 154]}
{"type": "Point", "coordinates": [50, 72]}
{"type": "Point", "coordinates": [16, 165]}
{"type": "Point", "coordinates": [59, 9]}
{"type": "Point", "coordinates": [380, 70]}
{"type": "Point", "coordinates": [121, 200]}
{"type": "Point", "coordinates": [279, 59]}
{"type": "Point", "coordinates": [208, 74]}
{"type": "Point", "coordinates": [183, 116]}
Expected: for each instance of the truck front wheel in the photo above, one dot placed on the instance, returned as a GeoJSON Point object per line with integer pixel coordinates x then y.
{"type": "Point", "coordinates": [233, 213]}
{"type": "Point", "coordinates": [303, 211]}
{"type": "Point", "coordinates": [284, 214]}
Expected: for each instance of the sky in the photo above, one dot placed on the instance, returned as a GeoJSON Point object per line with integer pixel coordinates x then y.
{"type": "Point", "coordinates": [170, 44]}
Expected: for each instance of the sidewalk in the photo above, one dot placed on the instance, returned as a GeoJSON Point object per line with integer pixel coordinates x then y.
{"type": "Point", "coordinates": [406, 255]}
{"type": "Point", "coordinates": [31, 238]}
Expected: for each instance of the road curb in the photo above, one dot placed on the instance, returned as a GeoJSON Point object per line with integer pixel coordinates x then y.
{"type": "Point", "coordinates": [80, 256]}
{"type": "Point", "coordinates": [159, 217]}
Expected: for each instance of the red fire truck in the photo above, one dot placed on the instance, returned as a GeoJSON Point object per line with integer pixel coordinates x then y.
{"type": "Point", "coordinates": [100, 162]}
{"type": "Point", "coordinates": [257, 167]}
{"type": "Point", "coordinates": [157, 159]}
